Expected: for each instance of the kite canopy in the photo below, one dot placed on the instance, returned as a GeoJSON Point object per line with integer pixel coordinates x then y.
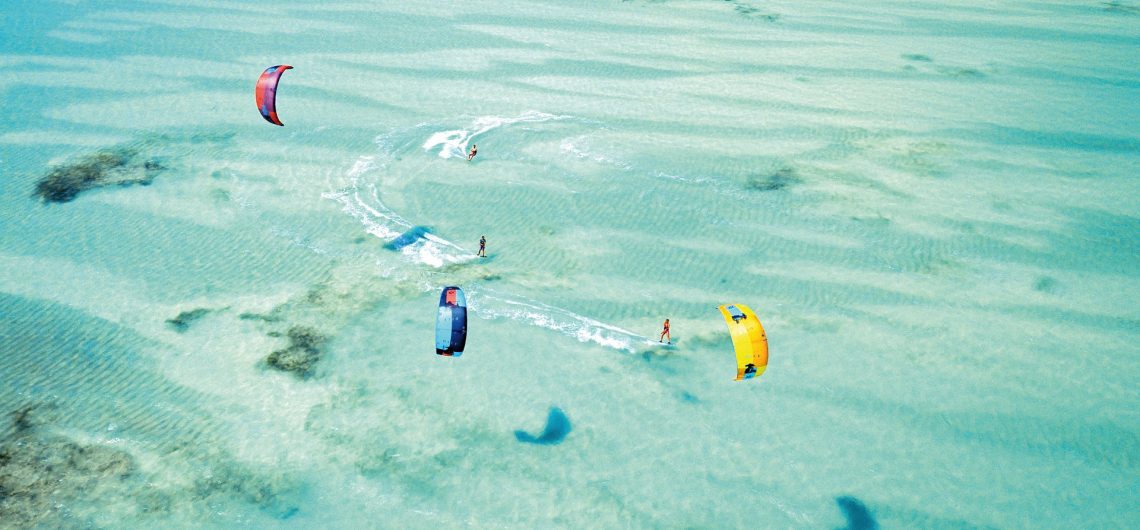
{"type": "Point", "coordinates": [266, 92]}
{"type": "Point", "coordinates": [451, 322]}
{"type": "Point", "coordinates": [748, 340]}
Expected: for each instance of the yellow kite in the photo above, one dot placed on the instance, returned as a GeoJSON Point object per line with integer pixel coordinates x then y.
{"type": "Point", "coordinates": [748, 340]}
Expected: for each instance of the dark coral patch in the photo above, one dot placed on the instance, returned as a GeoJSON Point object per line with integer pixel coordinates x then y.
{"type": "Point", "coordinates": [1120, 7]}
{"type": "Point", "coordinates": [271, 317]}
{"type": "Point", "coordinates": [38, 468]}
{"type": "Point", "coordinates": [918, 57]}
{"type": "Point", "coordinates": [182, 322]}
{"type": "Point", "coordinates": [305, 349]}
{"type": "Point", "coordinates": [747, 10]}
{"type": "Point", "coordinates": [776, 180]}
{"type": "Point", "coordinates": [1045, 284]}
{"type": "Point", "coordinates": [112, 167]}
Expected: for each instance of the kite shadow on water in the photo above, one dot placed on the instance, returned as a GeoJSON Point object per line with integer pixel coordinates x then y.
{"type": "Point", "coordinates": [857, 514]}
{"type": "Point", "coordinates": [557, 427]}
{"type": "Point", "coordinates": [408, 238]}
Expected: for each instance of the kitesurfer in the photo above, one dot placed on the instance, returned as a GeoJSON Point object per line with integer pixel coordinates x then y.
{"type": "Point", "coordinates": [665, 333]}
{"type": "Point", "coordinates": [482, 245]}
{"type": "Point", "coordinates": [472, 153]}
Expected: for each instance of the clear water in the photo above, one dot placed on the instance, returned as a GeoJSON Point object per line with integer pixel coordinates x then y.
{"type": "Point", "coordinates": [933, 209]}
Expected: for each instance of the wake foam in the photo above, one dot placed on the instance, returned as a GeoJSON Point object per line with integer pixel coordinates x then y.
{"type": "Point", "coordinates": [453, 143]}
{"type": "Point", "coordinates": [579, 147]}
{"type": "Point", "coordinates": [361, 200]}
{"type": "Point", "coordinates": [492, 306]}
{"type": "Point", "coordinates": [379, 220]}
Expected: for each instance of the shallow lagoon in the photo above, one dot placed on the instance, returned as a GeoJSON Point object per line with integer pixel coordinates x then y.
{"type": "Point", "coordinates": [933, 210]}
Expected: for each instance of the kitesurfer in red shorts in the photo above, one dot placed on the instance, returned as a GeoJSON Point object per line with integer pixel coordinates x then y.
{"type": "Point", "coordinates": [472, 153]}
{"type": "Point", "coordinates": [665, 333]}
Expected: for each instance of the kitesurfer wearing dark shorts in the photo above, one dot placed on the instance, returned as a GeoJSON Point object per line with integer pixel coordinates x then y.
{"type": "Point", "coordinates": [665, 333]}
{"type": "Point", "coordinates": [482, 245]}
{"type": "Point", "coordinates": [474, 149]}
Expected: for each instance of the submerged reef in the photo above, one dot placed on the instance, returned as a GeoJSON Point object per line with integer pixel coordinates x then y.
{"type": "Point", "coordinates": [271, 317]}
{"type": "Point", "coordinates": [776, 180]}
{"type": "Point", "coordinates": [38, 470]}
{"type": "Point", "coordinates": [273, 496]}
{"type": "Point", "coordinates": [557, 427]}
{"type": "Point", "coordinates": [112, 167]}
{"type": "Point", "coordinates": [49, 480]}
{"type": "Point", "coordinates": [743, 9]}
{"type": "Point", "coordinates": [1120, 7]}
{"type": "Point", "coordinates": [182, 322]}
{"type": "Point", "coordinates": [305, 345]}
{"type": "Point", "coordinates": [951, 71]}
{"type": "Point", "coordinates": [1045, 284]}
{"type": "Point", "coordinates": [747, 10]}
{"type": "Point", "coordinates": [954, 71]}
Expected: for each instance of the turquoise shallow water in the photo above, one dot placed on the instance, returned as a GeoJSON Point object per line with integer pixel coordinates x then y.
{"type": "Point", "coordinates": [932, 208]}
